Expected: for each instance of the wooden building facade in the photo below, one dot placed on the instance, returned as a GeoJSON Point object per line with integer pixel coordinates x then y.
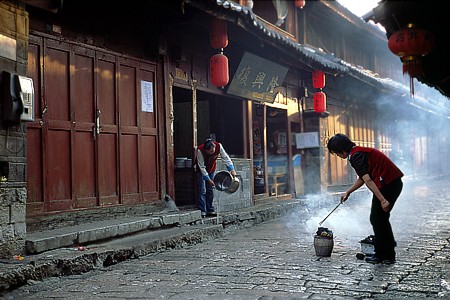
{"type": "Point", "coordinates": [123, 92]}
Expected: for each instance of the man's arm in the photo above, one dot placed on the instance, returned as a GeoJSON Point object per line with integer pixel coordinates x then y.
{"type": "Point", "coordinates": [201, 165]}
{"type": "Point", "coordinates": [374, 189]}
{"type": "Point", "coordinates": [227, 160]}
{"type": "Point", "coordinates": [356, 185]}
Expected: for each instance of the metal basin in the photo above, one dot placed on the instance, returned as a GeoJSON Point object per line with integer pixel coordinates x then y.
{"type": "Point", "coordinates": [225, 182]}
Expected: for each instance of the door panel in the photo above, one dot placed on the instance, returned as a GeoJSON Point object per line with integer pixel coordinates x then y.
{"type": "Point", "coordinates": [57, 138]}
{"type": "Point", "coordinates": [129, 168]}
{"type": "Point", "coordinates": [128, 137]}
{"type": "Point", "coordinates": [108, 188]}
{"type": "Point", "coordinates": [56, 83]}
{"type": "Point", "coordinates": [35, 184]}
{"type": "Point", "coordinates": [149, 141]}
{"type": "Point", "coordinates": [107, 170]}
{"type": "Point", "coordinates": [83, 96]}
{"type": "Point", "coordinates": [106, 91]}
{"type": "Point", "coordinates": [84, 170]}
{"type": "Point", "coordinates": [83, 111]}
{"type": "Point", "coordinates": [127, 97]}
{"type": "Point", "coordinates": [149, 167]}
{"type": "Point", "coordinates": [58, 175]}
{"type": "Point", "coordinates": [35, 197]}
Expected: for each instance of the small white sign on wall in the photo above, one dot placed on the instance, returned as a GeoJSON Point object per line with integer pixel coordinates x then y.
{"type": "Point", "coordinates": [8, 47]}
{"type": "Point", "coordinates": [307, 140]}
{"type": "Point", "coordinates": [147, 95]}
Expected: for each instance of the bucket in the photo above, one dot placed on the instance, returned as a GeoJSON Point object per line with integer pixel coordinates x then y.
{"type": "Point", "coordinates": [367, 249]}
{"type": "Point", "coordinates": [323, 245]}
{"type": "Point", "coordinates": [367, 245]}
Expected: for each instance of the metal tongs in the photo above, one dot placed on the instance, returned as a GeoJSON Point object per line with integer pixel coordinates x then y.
{"type": "Point", "coordinates": [330, 213]}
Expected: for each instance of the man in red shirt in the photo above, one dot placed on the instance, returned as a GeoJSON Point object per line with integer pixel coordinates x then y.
{"type": "Point", "coordinates": [206, 157]}
{"type": "Point", "coordinates": [383, 178]}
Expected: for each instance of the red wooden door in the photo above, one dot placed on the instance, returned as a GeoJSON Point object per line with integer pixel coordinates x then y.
{"type": "Point", "coordinates": [91, 144]}
{"type": "Point", "coordinates": [106, 126]}
{"type": "Point", "coordinates": [137, 132]}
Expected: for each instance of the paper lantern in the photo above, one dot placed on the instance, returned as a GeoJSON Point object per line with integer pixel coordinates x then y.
{"type": "Point", "coordinates": [218, 68]}
{"type": "Point", "coordinates": [411, 44]}
{"type": "Point", "coordinates": [320, 102]}
{"type": "Point", "coordinates": [300, 3]}
{"type": "Point", "coordinates": [318, 79]}
{"type": "Point", "coordinates": [218, 34]}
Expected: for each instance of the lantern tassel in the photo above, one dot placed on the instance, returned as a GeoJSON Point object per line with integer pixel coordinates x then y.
{"type": "Point", "coordinates": [413, 67]}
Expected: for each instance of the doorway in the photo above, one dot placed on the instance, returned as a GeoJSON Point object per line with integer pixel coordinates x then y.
{"type": "Point", "coordinates": [183, 125]}
{"type": "Point", "coordinates": [277, 151]}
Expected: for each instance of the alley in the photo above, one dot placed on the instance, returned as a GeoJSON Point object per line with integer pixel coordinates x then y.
{"type": "Point", "coordinates": [276, 260]}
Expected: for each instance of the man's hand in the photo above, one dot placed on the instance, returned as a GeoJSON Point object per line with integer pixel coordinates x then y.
{"type": "Point", "coordinates": [211, 183]}
{"type": "Point", "coordinates": [344, 197]}
{"type": "Point", "coordinates": [386, 206]}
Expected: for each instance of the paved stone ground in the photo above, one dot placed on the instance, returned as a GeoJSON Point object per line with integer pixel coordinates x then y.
{"type": "Point", "coordinates": [276, 260]}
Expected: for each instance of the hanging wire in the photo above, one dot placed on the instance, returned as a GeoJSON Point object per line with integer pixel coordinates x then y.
{"type": "Point", "coordinates": [7, 139]}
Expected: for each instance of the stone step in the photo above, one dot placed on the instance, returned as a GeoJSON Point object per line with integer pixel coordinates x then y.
{"type": "Point", "coordinates": [88, 233]}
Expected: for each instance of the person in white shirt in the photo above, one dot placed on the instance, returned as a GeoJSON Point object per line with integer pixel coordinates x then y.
{"type": "Point", "coordinates": [206, 157]}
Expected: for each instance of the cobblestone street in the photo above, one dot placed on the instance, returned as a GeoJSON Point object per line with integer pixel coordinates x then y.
{"type": "Point", "coordinates": [276, 260]}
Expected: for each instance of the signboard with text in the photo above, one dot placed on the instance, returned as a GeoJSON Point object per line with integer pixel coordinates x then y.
{"type": "Point", "coordinates": [257, 78]}
{"type": "Point", "coordinates": [307, 140]}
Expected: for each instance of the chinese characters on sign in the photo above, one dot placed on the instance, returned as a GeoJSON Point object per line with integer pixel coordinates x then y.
{"type": "Point", "coordinates": [147, 96]}
{"type": "Point", "coordinates": [257, 79]}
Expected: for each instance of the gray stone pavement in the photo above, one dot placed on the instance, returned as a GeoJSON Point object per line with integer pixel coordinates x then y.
{"type": "Point", "coordinates": [276, 259]}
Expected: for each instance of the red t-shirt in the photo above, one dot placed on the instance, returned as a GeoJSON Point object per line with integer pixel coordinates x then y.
{"type": "Point", "coordinates": [375, 163]}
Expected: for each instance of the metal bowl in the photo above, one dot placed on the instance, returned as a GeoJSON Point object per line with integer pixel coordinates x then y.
{"type": "Point", "coordinates": [234, 185]}
{"type": "Point", "coordinates": [226, 182]}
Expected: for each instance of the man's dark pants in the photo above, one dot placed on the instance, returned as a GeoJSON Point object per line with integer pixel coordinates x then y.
{"type": "Point", "coordinates": [384, 237]}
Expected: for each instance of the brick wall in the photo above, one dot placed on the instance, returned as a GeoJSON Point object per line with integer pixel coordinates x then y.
{"type": "Point", "coordinates": [13, 58]}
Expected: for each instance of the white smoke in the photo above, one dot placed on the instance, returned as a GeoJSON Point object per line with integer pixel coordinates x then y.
{"type": "Point", "coordinates": [349, 222]}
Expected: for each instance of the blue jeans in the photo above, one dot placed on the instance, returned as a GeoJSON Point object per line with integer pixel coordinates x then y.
{"type": "Point", "coordinates": [205, 194]}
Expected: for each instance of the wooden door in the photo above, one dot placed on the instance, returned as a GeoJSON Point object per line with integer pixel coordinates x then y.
{"type": "Point", "coordinates": [93, 142]}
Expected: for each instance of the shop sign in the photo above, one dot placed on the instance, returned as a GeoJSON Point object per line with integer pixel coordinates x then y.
{"type": "Point", "coordinates": [257, 79]}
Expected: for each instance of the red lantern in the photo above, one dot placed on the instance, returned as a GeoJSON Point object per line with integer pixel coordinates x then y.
{"type": "Point", "coordinates": [320, 102]}
{"type": "Point", "coordinates": [219, 34]}
{"type": "Point", "coordinates": [411, 45]}
{"type": "Point", "coordinates": [318, 79]}
{"type": "Point", "coordinates": [300, 3]}
{"type": "Point", "coordinates": [218, 68]}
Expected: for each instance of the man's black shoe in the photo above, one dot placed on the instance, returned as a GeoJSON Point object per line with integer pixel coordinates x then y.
{"type": "Point", "coordinates": [211, 214]}
{"type": "Point", "coordinates": [376, 260]}
{"type": "Point", "coordinates": [388, 261]}
{"type": "Point", "coordinates": [373, 259]}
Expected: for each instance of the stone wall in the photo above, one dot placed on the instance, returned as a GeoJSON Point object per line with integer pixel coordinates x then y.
{"type": "Point", "coordinates": [13, 194]}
